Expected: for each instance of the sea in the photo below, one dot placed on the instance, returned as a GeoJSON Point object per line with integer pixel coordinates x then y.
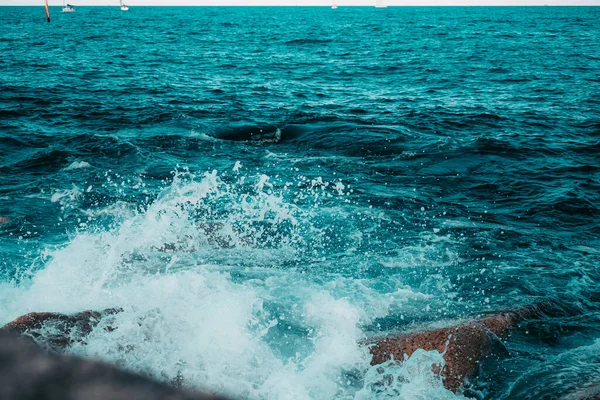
{"type": "Point", "coordinates": [262, 189]}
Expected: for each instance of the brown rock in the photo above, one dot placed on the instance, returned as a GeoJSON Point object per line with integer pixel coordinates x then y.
{"type": "Point", "coordinates": [465, 345]}
{"type": "Point", "coordinates": [66, 329]}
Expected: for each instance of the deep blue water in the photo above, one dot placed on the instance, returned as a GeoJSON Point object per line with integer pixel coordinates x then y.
{"type": "Point", "coordinates": [267, 186]}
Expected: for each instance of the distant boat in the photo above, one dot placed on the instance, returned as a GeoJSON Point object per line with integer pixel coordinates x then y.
{"type": "Point", "coordinates": [380, 4]}
{"type": "Point", "coordinates": [124, 7]}
{"type": "Point", "coordinates": [47, 11]}
{"type": "Point", "coordinates": [67, 7]}
{"type": "Point", "coordinates": [334, 6]}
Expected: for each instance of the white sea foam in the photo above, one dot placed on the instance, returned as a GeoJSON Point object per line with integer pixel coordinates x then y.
{"type": "Point", "coordinates": [67, 196]}
{"type": "Point", "coordinates": [231, 320]}
{"type": "Point", "coordinates": [414, 378]}
{"type": "Point", "coordinates": [77, 165]}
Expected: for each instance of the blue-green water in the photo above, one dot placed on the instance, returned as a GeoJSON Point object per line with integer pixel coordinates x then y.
{"type": "Point", "coordinates": [262, 188]}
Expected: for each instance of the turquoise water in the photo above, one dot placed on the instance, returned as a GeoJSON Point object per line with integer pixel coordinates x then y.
{"type": "Point", "coordinates": [261, 188]}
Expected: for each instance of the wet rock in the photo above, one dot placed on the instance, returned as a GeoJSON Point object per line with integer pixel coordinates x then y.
{"type": "Point", "coordinates": [55, 331]}
{"type": "Point", "coordinates": [28, 373]}
{"type": "Point", "coordinates": [463, 345]}
{"type": "Point", "coordinates": [3, 220]}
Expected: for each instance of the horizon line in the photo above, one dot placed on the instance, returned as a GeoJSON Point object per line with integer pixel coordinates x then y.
{"type": "Point", "coordinates": [308, 3]}
{"type": "Point", "coordinates": [492, 4]}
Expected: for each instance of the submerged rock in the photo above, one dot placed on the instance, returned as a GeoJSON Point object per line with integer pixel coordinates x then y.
{"type": "Point", "coordinates": [216, 234]}
{"type": "Point", "coordinates": [588, 392]}
{"type": "Point", "coordinates": [463, 346]}
{"type": "Point", "coordinates": [28, 373]}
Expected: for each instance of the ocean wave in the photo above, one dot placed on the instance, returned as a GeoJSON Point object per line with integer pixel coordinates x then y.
{"type": "Point", "coordinates": [236, 332]}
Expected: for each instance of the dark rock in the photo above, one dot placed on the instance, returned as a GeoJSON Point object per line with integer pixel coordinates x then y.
{"type": "Point", "coordinates": [28, 373]}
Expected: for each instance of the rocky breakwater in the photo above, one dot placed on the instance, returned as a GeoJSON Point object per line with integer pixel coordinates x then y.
{"type": "Point", "coordinates": [463, 345]}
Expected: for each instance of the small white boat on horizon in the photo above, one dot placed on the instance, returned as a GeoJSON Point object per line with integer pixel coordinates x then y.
{"type": "Point", "coordinates": [124, 7]}
{"type": "Point", "coordinates": [67, 7]}
{"type": "Point", "coordinates": [334, 6]}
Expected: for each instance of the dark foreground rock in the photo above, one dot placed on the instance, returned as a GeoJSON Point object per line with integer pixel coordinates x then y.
{"type": "Point", "coordinates": [28, 373]}
{"type": "Point", "coordinates": [465, 345]}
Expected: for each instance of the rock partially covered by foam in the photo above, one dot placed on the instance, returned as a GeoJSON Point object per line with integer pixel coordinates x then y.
{"type": "Point", "coordinates": [55, 331]}
{"type": "Point", "coordinates": [463, 346]}
{"type": "Point", "coordinates": [28, 373]}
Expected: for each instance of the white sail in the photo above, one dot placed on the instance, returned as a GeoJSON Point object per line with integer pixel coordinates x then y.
{"type": "Point", "coordinates": [380, 4]}
{"type": "Point", "coordinates": [334, 6]}
{"type": "Point", "coordinates": [124, 7]}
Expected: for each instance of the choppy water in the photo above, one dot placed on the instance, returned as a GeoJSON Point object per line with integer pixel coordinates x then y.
{"type": "Point", "coordinates": [264, 187]}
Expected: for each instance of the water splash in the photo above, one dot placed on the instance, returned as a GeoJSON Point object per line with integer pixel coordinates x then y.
{"type": "Point", "coordinates": [212, 294]}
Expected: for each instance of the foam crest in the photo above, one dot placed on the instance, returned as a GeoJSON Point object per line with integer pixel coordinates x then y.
{"type": "Point", "coordinates": [77, 165]}
{"type": "Point", "coordinates": [66, 197]}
